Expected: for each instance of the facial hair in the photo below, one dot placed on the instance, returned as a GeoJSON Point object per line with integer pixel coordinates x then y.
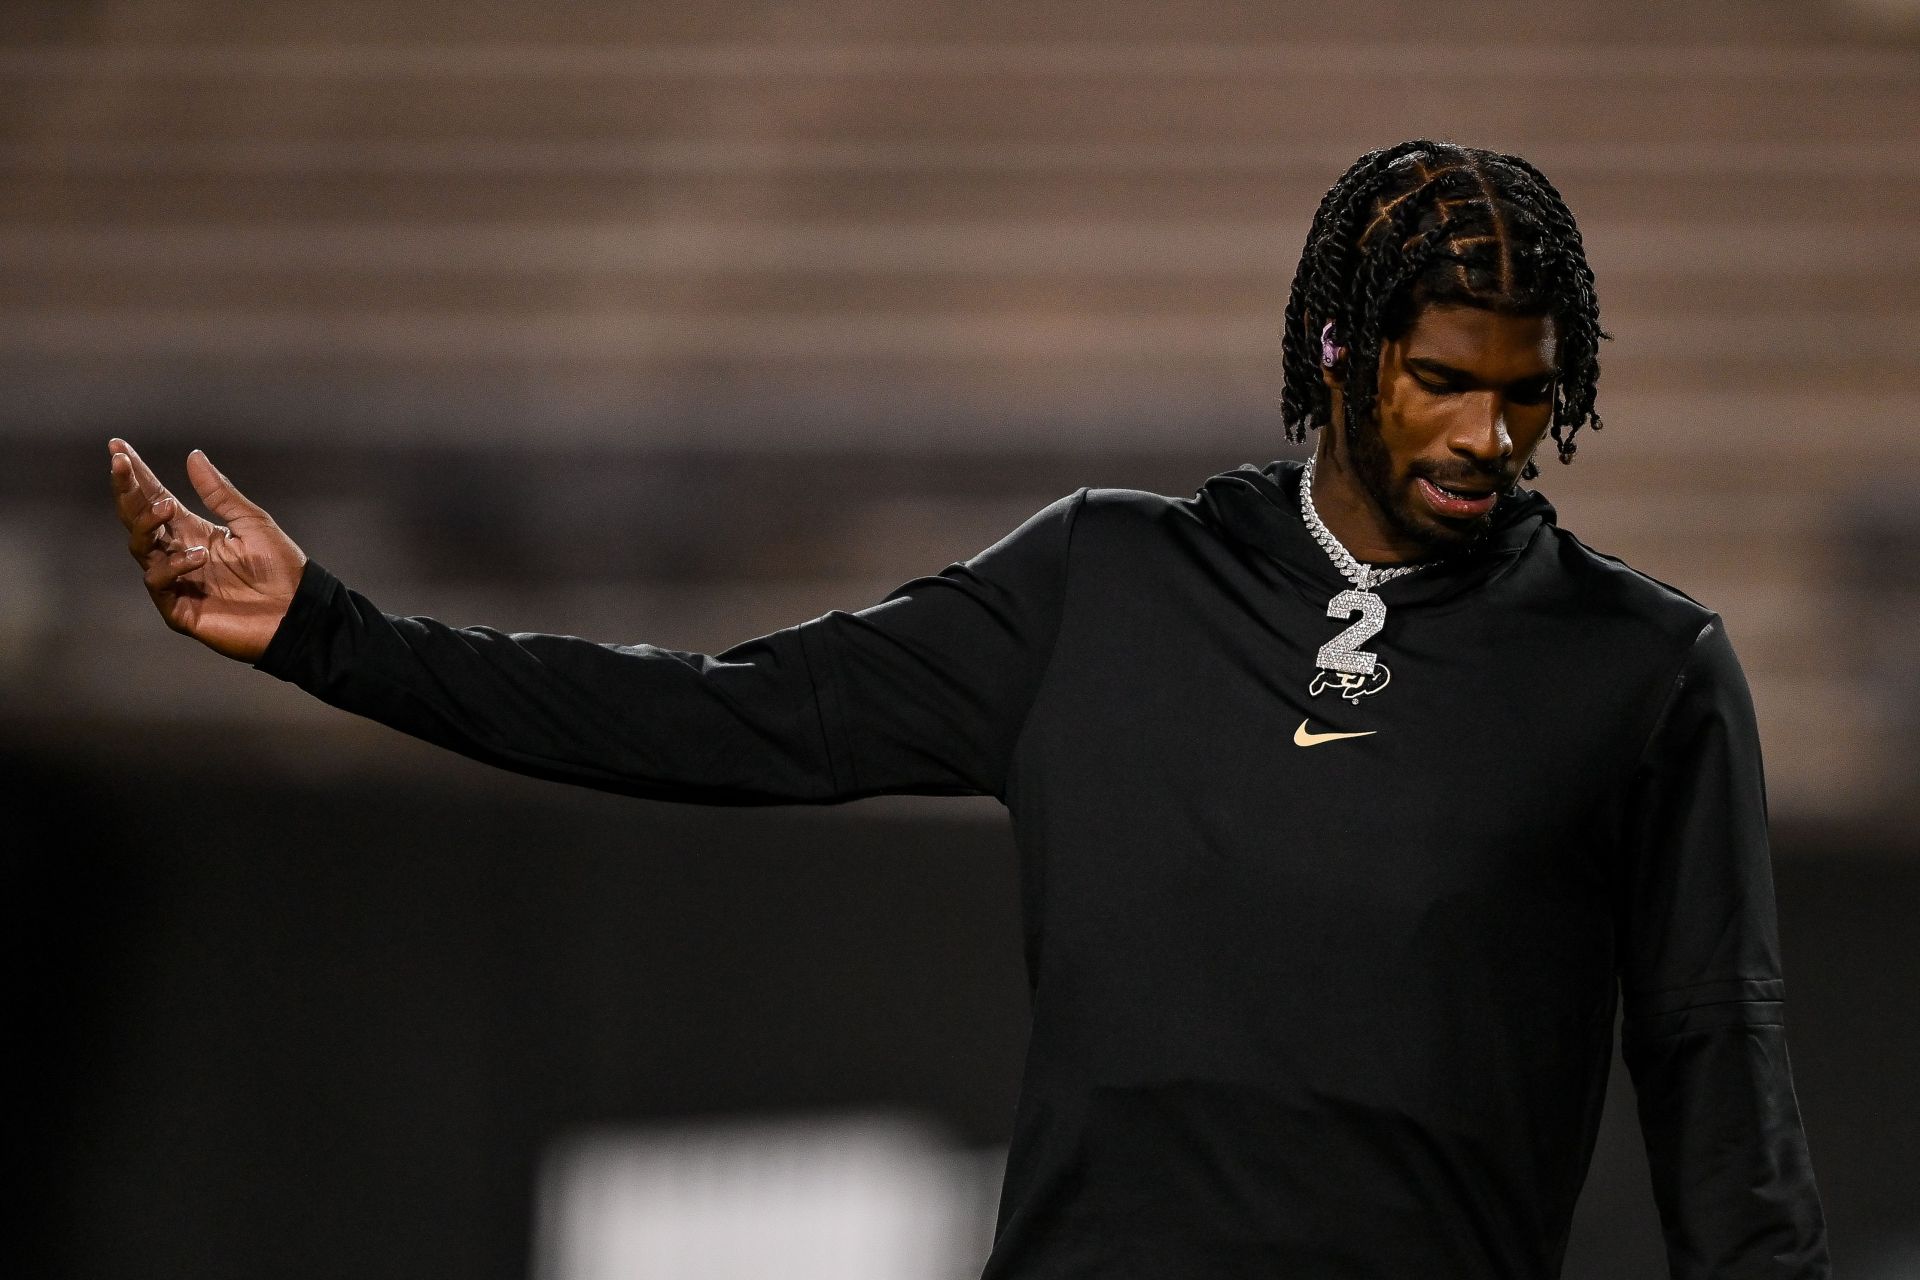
{"type": "Point", "coordinates": [1373, 467]}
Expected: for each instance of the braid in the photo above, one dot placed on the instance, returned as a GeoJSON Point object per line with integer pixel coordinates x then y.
{"type": "Point", "coordinates": [1579, 326]}
{"type": "Point", "coordinates": [1397, 255]}
{"type": "Point", "coordinates": [1424, 222]}
{"type": "Point", "coordinates": [1331, 249]}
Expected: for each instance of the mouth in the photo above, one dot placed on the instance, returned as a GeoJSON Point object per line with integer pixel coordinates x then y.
{"type": "Point", "coordinates": [1462, 502]}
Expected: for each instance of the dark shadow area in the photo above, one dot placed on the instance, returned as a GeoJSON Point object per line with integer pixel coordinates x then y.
{"type": "Point", "coordinates": [324, 1027]}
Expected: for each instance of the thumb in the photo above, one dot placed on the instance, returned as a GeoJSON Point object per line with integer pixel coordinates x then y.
{"type": "Point", "coordinates": [216, 490]}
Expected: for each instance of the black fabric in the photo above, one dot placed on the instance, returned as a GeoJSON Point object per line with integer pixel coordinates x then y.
{"type": "Point", "coordinates": [1342, 1009]}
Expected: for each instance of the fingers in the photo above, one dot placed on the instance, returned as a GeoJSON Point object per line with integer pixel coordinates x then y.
{"type": "Point", "coordinates": [135, 490]}
{"type": "Point", "coordinates": [162, 573]}
{"type": "Point", "coordinates": [120, 471]}
{"type": "Point", "coordinates": [148, 528]}
{"type": "Point", "coordinates": [137, 477]}
{"type": "Point", "coordinates": [217, 491]}
{"type": "Point", "coordinates": [135, 487]}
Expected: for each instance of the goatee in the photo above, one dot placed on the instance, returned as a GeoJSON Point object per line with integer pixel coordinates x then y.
{"type": "Point", "coordinates": [1374, 469]}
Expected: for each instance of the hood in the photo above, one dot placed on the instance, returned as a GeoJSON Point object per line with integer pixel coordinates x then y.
{"type": "Point", "coordinates": [1260, 506]}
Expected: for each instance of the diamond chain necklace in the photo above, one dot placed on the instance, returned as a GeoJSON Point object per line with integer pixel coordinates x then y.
{"type": "Point", "coordinates": [1363, 577]}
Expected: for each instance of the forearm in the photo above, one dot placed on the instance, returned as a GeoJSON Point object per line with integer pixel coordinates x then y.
{"type": "Point", "coordinates": [1729, 1160]}
{"type": "Point", "coordinates": [1701, 982]}
{"type": "Point", "coordinates": [740, 728]}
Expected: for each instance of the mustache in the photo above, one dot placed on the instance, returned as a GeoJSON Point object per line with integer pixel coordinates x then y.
{"type": "Point", "coordinates": [1499, 478]}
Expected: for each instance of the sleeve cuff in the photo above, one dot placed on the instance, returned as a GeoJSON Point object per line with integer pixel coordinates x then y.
{"type": "Point", "coordinates": [282, 657]}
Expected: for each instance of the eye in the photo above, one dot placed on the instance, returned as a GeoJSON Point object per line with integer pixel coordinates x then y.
{"type": "Point", "coordinates": [1532, 392]}
{"type": "Point", "coordinates": [1439, 386]}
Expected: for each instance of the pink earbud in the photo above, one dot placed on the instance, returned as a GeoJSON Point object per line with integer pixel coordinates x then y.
{"type": "Point", "coordinates": [1330, 351]}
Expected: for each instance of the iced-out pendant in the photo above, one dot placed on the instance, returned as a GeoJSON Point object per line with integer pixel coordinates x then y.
{"type": "Point", "coordinates": [1343, 652]}
{"type": "Point", "coordinates": [1345, 667]}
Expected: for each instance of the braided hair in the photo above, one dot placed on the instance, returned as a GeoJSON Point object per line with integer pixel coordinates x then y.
{"type": "Point", "coordinates": [1433, 222]}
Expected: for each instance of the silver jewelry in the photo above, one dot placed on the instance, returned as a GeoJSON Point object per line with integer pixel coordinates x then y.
{"type": "Point", "coordinates": [1343, 654]}
{"type": "Point", "coordinates": [1363, 577]}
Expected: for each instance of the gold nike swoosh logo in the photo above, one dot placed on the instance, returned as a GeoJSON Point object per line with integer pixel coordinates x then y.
{"type": "Point", "coordinates": [1301, 738]}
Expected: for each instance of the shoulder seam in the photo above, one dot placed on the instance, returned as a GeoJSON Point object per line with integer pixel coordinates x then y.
{"type": "Point", "coordinates": [1079, 503]}
{"type": "Point", "coordinates": [1674, 687]}
{"type": "Point", "coordinates": [1637, 572]}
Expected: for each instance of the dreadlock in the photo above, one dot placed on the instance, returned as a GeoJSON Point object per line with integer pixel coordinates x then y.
{"type": "Point", "coordinates": [1432, 222]}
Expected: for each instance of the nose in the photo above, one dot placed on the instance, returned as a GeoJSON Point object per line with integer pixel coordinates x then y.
{"type": "Point", "coordinates": [1480, 430]}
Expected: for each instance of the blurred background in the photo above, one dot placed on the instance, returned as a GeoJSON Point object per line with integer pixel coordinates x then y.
{"type": "Point", "coordinates": [681, 323]}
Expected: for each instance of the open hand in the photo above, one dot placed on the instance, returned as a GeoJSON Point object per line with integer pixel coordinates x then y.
{"type": "Point", "coordinates": [226, 585]}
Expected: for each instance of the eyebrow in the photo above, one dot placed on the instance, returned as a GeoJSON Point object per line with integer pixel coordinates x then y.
{"type": "Point", "coordinates": [1441, 369]}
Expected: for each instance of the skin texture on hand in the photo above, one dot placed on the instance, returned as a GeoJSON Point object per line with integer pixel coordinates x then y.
{"type": "Point", "coordinates": [226, 585]}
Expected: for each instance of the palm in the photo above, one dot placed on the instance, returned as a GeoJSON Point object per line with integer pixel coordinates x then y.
{"type": "Point", "coordinates": [228, 584]}
{"type": "Point", "coordinates": [237, 593]}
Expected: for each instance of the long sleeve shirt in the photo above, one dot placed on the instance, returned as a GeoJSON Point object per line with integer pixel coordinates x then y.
{"type": "Point", "coordinates": [1324, 966]}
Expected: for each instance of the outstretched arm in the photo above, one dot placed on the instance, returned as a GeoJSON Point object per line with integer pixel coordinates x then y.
{"type": "Point", "coordinates": [1704, 1034]}
{"type": "Point", "coordinates": [922, 693]}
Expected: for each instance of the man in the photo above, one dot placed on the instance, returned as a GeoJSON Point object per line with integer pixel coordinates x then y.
{"type": "Point", "coordinates": [1347, 795]}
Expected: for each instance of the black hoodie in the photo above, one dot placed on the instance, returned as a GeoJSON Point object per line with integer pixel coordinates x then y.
{"type": "Point", "coordinates": [1323, 971]}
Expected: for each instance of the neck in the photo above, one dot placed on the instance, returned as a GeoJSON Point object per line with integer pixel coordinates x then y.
{"type": "Point", "coordinates": [1350, 511]}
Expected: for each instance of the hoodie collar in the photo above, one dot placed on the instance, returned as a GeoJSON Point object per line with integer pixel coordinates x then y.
{"type": "Point", "coordinates": [1260, 506]}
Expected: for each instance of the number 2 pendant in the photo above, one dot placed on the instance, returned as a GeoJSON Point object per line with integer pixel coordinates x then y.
{"type": "Point", "coordinates": [1346, 668]}
{"type": "Point", "coordinates": [1343, 652]}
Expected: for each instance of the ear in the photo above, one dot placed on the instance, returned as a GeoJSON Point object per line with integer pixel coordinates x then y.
{"type": "Point", "coordinates": [1333, 356]}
